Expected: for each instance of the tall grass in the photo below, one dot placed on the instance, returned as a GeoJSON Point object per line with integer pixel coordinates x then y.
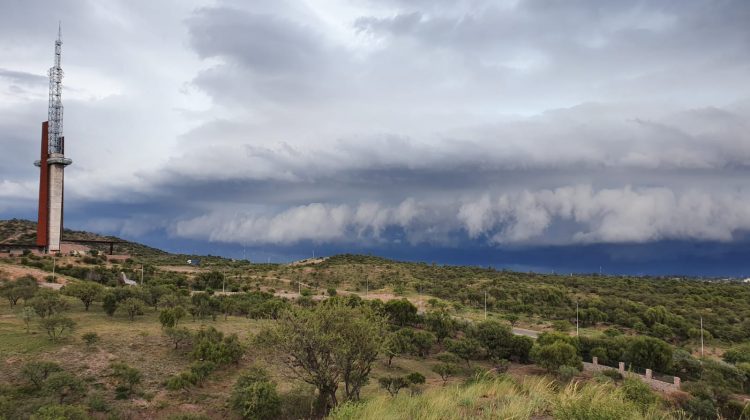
{"type": "Point", "coordinates": [504, 398]}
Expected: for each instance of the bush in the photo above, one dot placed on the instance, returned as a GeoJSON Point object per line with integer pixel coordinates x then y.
{"type": "Point", "coordinates": [331, 291]}
{"type": "Point", "coordinates": [393, 384]}
{"type": "Point", "coordinates": [566, 373]}
{"type": "Point", "coordinates": [127, 378]}
{"type": "Point", "coordinates": [90, 338]}
{"type": "Point", "coordinates": [37, 372]}
{"type": "Point", "coordinates": [738, 354]}
{"type": "Point", "coordinates": [60, 412]}
{"type": "Point", "coordinates": [64, 386]}
{"type": "Point", "coordinates": [639, 392]}
{"type": "Point", "coordinates": [57, 326]}
{"type": "Point", "coordinates": [553, 356]}
{"type": "Point", "coordinates": [255, 396]}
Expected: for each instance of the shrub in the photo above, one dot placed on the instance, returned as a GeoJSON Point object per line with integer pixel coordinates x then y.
{"type": "Point", "coordinates": [639, 392]}
{"type": "Point", "coordinates": [393, 384]}
{"type": "Point", "coordinates": [331, 291]}
{"type": "Point", "coordinates": [201, 370]}
{"type": "Point", "coordinates": [255, 396]}
{"type": "Point", "coordinates": [127, 378]}
{"type": "Point", "coordinates": [37, 372]}
{"type": "Point", "coordinates": [553, 356]}
{"type": "Point", "coordinates": [59, 412]}
{"type": "Point", "coordinates": [56, 326]}
{"type": "Point", "coordinates": [132, 306]}
{"type": "Point", "coordinates": [445, 370]}
{"type": "Point", "coordinates": [738, 354]}
{"type": "Point", "coordinates": [166, 318]}
{"type": "Point", "coordinates": [566, 373]}
{"type": "Point", "coordinates": [64, 386]}
{"type": "Point", "coordinates": [90, 338]}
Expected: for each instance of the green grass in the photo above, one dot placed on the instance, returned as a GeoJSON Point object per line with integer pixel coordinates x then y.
{"type": "Point", "coordinates": [503, 398]}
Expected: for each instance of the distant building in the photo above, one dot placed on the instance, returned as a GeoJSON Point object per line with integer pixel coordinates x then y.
{"type": "Point", "coordinates": [746, 280]}
{"type": "Point", "coordinates": [194, 261]}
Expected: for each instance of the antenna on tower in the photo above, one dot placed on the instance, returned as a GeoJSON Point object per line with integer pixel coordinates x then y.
{"type": "Point", "coordinates": [55, 111]}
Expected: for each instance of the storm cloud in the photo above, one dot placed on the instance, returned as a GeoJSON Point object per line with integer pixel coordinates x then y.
{"type": "Point", "coordinates": [389, 124]}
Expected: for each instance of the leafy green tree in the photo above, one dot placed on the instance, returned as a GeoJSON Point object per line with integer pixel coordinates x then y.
{"type": "Point", "coordinates": [22, 288]}
{"type": "Point", "coordinates": [401, 311]}
{"type": "Point", "coordinates": [57, 325]}
{"type": "Point", "coordinates": [441, 324]}
{"type": "Point", "coordinates": [553, 356]}
{"type": "Point", "coordinates": [649, 352]}
{"type": "Point", "coordinates": [398, 343]}
{"type": "Point", "coordinates": [520, 348]}
{"type": "Point", "coordinates": [393, 384]}
{"type": "Point", "coordinates": [495, 337]}
{"type": "Point", "coordinates": [211, 345]}
{"type": "Point", "coordinates": [445, 370]}
{"type": "Point", "coordinates": [179, 336]}
{"type": "Point", "coordinates": [132, 306]}
{"type": "Point", "coordinates": [466, 348]}
{"type": "Point", "coordinates": [47, 302]}
{"type": "Point", "coordinates": [738, 354]}
{"type": "Point", "coordinates": [37, 372]}
{"type": "Point", "coordinates": [86, 291]}
{"type": "Point", "coordinates": [325, 346]}
{"type": "Point", "coordinates": [254, 396]}
{"type": "Point", "coordinates": [512, 319]}
{"type": "Point", "coordinates": [167, 318]}
{"type": "Point", "coordinates": [64, 386]}
{"type": "Point", "coordinates": [109, 303]}
{"type": "Point", "coordinates": [422, 342]}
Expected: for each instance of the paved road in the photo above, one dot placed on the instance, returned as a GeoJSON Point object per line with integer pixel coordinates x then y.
{"type": "Point", "coordinates": [527, 333]}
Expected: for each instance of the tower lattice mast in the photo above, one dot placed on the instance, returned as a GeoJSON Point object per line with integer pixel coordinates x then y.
{"type": "Point", "coordinates": [55, 111]}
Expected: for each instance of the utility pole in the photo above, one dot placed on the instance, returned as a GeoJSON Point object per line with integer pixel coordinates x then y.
{"type": "Point", "coordinates": [701, 335]}
{"type": "Point", "coordinates": [367, 286]}
{"type": "Point", "coordinates": [141, 274]}
{"type": "Point", "coordinates": [53, 269]}
{"type": "Point", "coordinates": [576, 318]}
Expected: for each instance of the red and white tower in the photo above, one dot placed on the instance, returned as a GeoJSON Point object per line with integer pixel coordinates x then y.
{"type": "Point", "coordinates": [52, 162]}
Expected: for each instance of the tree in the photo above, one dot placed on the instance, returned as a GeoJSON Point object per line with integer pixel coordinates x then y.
{"type": "Point", "coordinates": [401, 311]}
{"type": "Point", "coordinates": [422, 342]}
{"type": "Point", "coordinates": [495, 337]}
{"type": "Point", "coordinates": [127, 378]}
{"type": "Point", "coordinates": [132, 306]}
{"type": "Point", "coordinates": [48, 302]}
{"type": "Point", "coordinates": [57, 325]}
{"type": "Point", "coordinates": [553, 356]}
{"type": "Point", "coordinates": [398, 343]}
{"type": "Point", "coordinates": [393, 384]}
{"type": "Point", "coordinates": [37, 372]}
{"type": "Point", "coordinates": [109, 303]}
{"type": "Point", "coordinates": [520, 347]}
{"type": "Point", "coordinates": [211, 345]}
{"type": "Point", "coordinates": [466, 348]}
{"type": "Point", "coordinates": [649, 352]}
{"type": "Point", "coordinates": [445, 370]}
{"type": "Point", "coordinates": [86, 291]}
{"type": "Point", "coordinates": [64, 385]}
{"type": "Point", "coordinates": [738, 354]}
{"type": "Point", "coordinates": [27, 314]}
{"type": "Point", "coordinates": [179, 336]}
{"type": "Point", "coordinates": [512, 319]}
{"type": "Point", "coordinates": [166, 318]}
{"type": "Point", "coordinates": [22, 288]}
{"type": "Point", "coordinates": [201, 370]}
{"type": "Point", "coordinates": [254, 396]}
{"type": "Point", "coordinates": [441, 324]}
{"type": "Point", "coordinates": [325, 346]}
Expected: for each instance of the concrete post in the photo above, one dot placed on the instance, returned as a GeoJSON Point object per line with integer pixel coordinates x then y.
{"type": "Point", "coordinates": [595, 360]}
{"type": "Point", "coordinates": [621, 368]}
{"type": "Point", "coordinates": [649, 373]}
{"type": "Point", "coordinates": [677, 381]}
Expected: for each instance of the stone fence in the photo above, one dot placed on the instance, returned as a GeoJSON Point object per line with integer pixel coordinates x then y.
{"type": "Point", "coordinates": [648, 377]}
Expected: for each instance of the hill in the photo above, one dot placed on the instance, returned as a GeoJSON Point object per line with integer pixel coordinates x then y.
{"type": "Point", "coordinates": [20, 231]}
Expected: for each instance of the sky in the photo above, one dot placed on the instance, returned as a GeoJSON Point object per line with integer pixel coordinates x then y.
{"type": "Point", "coordinates": [577, 135]}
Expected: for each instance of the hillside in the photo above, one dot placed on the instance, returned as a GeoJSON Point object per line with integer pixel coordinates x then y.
{"type": "Point", "coordinates": [419, 320]}
{"type": "Point", "coordinates": [20, 231]}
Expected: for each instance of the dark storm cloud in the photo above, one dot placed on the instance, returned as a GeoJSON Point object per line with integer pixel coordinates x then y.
{"type": "Point", "coordinates": [389, 124]}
